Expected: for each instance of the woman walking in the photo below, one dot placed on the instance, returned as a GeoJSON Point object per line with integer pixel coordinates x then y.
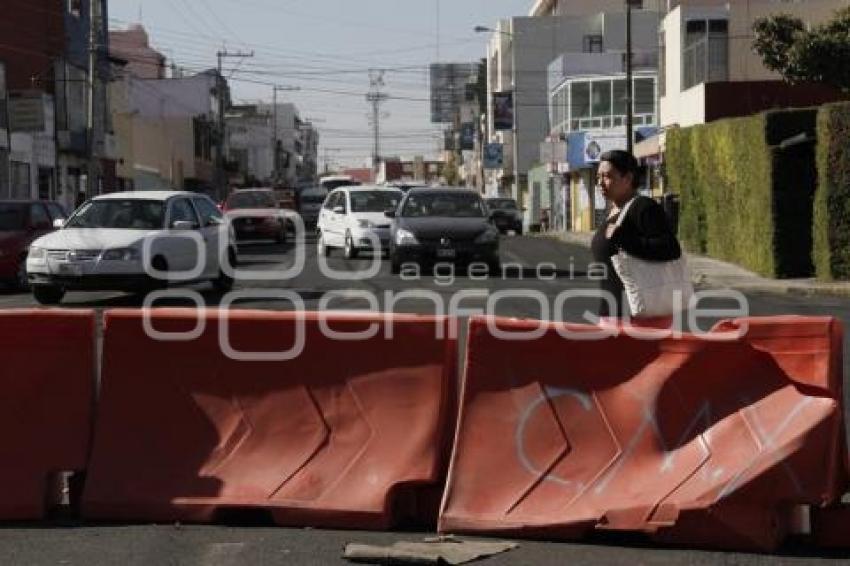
{"type": "Point", "coordinates": [643, 232]}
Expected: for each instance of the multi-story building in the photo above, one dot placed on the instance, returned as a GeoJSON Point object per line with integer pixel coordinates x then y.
{"type": "Point", "coordinates": [289, 143]}
{"type": "Point", "coordinates": [250, 144]}
{"type": "Point", "coordinates": [166, 131]}
{"type": "Point", "coordinates": [45, 49]}
{"type": "Point", "coordinates": [588, 110]}
{"type": "Point", "coordinates": [702, 81]}
{"type": "Point", "coordinates": [308, 165]}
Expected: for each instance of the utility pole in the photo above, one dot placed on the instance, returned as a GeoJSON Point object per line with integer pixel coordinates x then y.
{"type": "Point", "coordinates": [630, 115]}
{"type": "Point", "coordinates": [221, 179]}
{"type": "Point", "coordinates": [376, 98]}
{"type": "Point", "coordinates": [275, 153]}
{"type": "Point", "coordinates": [92, 168]}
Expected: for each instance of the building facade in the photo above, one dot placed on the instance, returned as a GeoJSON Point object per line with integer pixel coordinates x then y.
{"type": "Point", "coordinates": [166, 131]}
{"type": "Point", "coordinates": [710, 71]}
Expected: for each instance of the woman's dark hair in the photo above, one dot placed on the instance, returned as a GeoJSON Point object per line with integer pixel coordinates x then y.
{"type": "Point", "coordinates": [624, 162]}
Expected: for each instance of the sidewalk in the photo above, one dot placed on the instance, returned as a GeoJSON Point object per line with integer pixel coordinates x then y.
{"type": "Point", "coordinates": [708, 272]}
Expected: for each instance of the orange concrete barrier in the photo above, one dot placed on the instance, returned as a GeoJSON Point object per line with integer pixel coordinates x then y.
{"type": "Point", "coordinates": [690, 441]}
{"type": "Point", "coordinates": [46, 406]}
{"type": "Point", "coordinates": [347, 434]}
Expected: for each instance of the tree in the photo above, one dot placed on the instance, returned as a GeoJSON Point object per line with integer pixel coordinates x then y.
{"type": "Point", "coordinates": [817, 55]}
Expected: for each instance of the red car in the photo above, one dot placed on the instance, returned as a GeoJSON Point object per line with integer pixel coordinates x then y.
{"type": "Point", "coordinates": [21, 222]}
{"type": "Point", "coordinates": [257, 216]}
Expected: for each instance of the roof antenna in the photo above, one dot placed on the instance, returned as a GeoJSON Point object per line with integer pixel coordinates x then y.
{"type": "Point", "coordinates": [141, 14]}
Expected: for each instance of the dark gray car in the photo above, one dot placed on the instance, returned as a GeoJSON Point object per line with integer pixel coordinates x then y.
{"type": "Point", "coordinates": [443, 225]}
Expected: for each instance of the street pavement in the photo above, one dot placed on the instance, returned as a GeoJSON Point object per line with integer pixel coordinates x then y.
{"type": "Point", "coordinates": [69, 542]}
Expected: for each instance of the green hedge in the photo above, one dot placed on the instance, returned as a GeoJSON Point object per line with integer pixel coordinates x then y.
{"type": "Point", "coordinates": [743, 199]}
{"type": "Point", "coordinates": [832, 200]}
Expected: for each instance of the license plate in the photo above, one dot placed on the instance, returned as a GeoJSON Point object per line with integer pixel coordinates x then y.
{"type": "Point", "coordinates": [70, 269]}
{"type": "Point", "coordinates": [446, 254]}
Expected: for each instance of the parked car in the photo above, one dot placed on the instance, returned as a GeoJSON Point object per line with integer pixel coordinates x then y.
{"type": "Point", "coordinates": [506, 215]}
{"type": "Point", "coordinates": [259, 217]}
{"type": "Point", "coordinates": [101, 247]}
{"type": "Point", "coordinates": [352, 216]}
{"type": "Point", "coordinates": [310, 201]}
{"type": "Point", "coordinates": [21, 222]}
{"type": "Point", "coordinates": [437, 225]}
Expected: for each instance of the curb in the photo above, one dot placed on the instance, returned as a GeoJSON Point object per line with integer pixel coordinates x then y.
{"type": "Point", "coordinates": [777, 286]}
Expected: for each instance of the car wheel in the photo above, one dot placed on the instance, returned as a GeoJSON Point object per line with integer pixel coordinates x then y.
{"type": "Point", "coordinates": [224, 282]}
{"type": "Point", "coordinates": [21, 280]}
{"type": "Point", "coordinates": [160, 264]}
{"type": "Point", "coordinates": [322, 248]}
{"type": "Point", "coordinates": [350, 251]}
{"type": "Point", "coordinates": [48, 294]}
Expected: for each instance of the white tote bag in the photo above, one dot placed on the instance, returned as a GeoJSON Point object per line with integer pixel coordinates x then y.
{"type": "Point", "coordinates": [653, 288]}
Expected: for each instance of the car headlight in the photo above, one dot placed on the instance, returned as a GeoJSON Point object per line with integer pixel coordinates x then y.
{"type": "Point", "coordinates": [365, 224]}
{"type": "Point", "coordinates": [36, 253]}
{"type": "Point", "coordinates": [405, 238]}
{"type": "Point", "coordinates": [488, 237]}
{"type": "Point", "coordinates": [121, 254]}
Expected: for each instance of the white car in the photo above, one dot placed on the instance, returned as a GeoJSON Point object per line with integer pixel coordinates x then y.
{"type": "Point", "coordinates": [354, 219]}
{"type": "Point", "coordinates": [133, 241]}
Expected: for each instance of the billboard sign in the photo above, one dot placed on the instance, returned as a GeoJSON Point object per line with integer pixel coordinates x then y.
{"type": "Point", "coordinates": [503, 111]}
{"type": "Point", "coordinates": [449, 89]}
{"type": "Point", "coordinates": [494, 156]}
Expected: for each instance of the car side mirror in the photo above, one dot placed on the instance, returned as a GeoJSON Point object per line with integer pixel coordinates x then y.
{"type": "Point", "coordinates": [339, 210]}
{"type": "Point", "coordinates": [389, 213]}
{"type": "Point", "coordinates": [59, 223]}
{"type": "Point", "coordinates": [182, 225]}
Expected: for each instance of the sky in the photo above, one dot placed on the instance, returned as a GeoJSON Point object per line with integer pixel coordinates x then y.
{"type": "Point", "coordinates": [326, 49]}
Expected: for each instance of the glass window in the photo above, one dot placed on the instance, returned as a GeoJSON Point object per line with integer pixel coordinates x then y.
{"type": "Point", "coordinates": [38, 216]}
{"type": "Point", "coordinates": [593, 44]}
{"type": "Point", "coordinates": [619, 97]}
{"type": "Point", "coordinates": [251, 199]}
{"type": "Point", "coordinates": [447, 205]}
{"type": "Point", "coordinates": [182, 211]}
{"type": "Point", "coordinates": [209, 213]}
{"type": "Point", "coordinates": [644, 96]}
{"type": "Point", "coordinates": [123, 214]}
{"type": "Point", "coordinates": [601, 98]}
{"type": "Point", "coordinates": [718, 26]}
{"type": "Point", "coordinates": [374, 201]}
{"type": "Point", "coordinates": [580, 100]}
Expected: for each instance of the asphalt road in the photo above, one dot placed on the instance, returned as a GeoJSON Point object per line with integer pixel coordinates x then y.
{"type": "Point", "coordinates": [62, 542]}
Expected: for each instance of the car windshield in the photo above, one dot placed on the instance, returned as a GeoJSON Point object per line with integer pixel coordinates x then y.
{"type": "Point", "coordinates": [120, 214]}
{"type": "Point", "coordinates": [251, 199]}
{"type": "Point", "coordinates": [502, 204]}
{"type": "Point", "coordinates": [374, 201]}
{"type": "Point", "coordinates": [12, 217]}
{"type": "Point", "coordinates": [461, 205]}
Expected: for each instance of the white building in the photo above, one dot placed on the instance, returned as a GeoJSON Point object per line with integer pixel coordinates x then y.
{"type": "Point", "coordinates": [165, 132]}
{"type": "Point", "coordinates": [519, 57]}
{"type": "Point", "coordinates": [710, 70]}
{"type": "Point", "coordinates": [249, 143]}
